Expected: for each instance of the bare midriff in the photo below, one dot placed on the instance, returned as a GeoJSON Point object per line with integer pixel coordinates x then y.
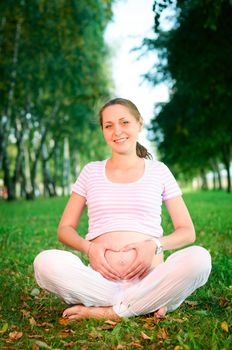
{"type": "Point", "coordinates": [119, 260]}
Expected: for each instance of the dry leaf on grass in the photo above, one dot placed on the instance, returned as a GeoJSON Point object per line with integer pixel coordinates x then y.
{"type": "Point", "coordinates": [42, 344]}
{"type": "Point", "coordinates": [36, 336]}
{"type": "Point", "coordinates": [71, 344]}
{"type": "Point", "coordinates": [45, 324]}
{"type": "Point", "coordinates": [224, 326]}
{"type": "Point", "coordinates": [15, 335]}
{"type": "Point", "coordinates": [66, 333]}
{"type": "Point", "coordinates": [145, 336]}
{"type": "Point", "coordinates": [84, 347]}
{"type": "Point", "coordinates": [191, 303]}
{"type": "Point", "coordinates": [112, 323]}
{"type": "Point", "coordinates": [32, 321]}
{"type": "Point", "coordinates": [25, 313]}
{"type": "Point", "coordinates": [4, 328]}
{"type": "Point", "coordinates": [136, 343]}
{"type": "Point", "coordinates": [63, 321]}
{"type": "Point", "coordinates": [163, 334]}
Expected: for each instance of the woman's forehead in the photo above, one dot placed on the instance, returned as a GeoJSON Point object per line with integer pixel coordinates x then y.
{"type": "Point", "coordinates": [116, 112]}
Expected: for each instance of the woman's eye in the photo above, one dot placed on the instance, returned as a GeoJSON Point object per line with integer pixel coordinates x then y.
{"type": "Point", "coordinates": [125, 122]}
{"type": "Point", "coordinates": [107, 126]}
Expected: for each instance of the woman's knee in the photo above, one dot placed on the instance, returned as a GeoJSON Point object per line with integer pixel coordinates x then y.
{"type": "Point", "coordinates": [198, 261]}
{"type": "Point", "coordinates": [43, 261]}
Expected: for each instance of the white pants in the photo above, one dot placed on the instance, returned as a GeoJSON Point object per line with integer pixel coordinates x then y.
{"type": "Point", "coordinates": [169, 284]}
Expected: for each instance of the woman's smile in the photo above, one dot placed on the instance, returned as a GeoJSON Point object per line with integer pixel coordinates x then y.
{"type": "Point", "coordinates": [121, 140]}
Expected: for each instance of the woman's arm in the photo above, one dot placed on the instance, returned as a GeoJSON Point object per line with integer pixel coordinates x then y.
{"type": "Point", "coordinates": [69, 221]}
{"type": "Point", "coordinates": [184, 232]}
{"type": "Point", "coordinates": [67, 234]}
{"type": "Point", "coordinates": [182, 235]}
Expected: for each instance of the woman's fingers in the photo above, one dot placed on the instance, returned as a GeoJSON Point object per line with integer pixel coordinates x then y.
{"type": "Point", "coordinates": [134, 272]}
{"type": "Point", "coordinates": [128, 247]}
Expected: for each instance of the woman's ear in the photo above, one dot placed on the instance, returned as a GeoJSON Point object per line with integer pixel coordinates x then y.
{"type": "Point", "coordinates": [141, 122]}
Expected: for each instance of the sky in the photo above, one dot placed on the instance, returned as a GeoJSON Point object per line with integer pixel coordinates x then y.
{"type": "Point", "coordinates": [132, 22]}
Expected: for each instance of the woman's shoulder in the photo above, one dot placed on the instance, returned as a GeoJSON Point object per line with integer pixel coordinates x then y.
{"type": "Point", "coordinates": [155, 164]}
{"type": "Point", "coordinates": [93, 166]}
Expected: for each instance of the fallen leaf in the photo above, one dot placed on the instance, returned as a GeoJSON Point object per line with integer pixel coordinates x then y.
{"type": "Point", "coordinates": [112, 323]}
{"type": "Point", "coordinates": [32, 321]}
{"type": "Point", "coordinates": [135, 343]}
{"type": "Point", "coordinates": [224, 302]}
{"type": "Point", "coordinates": [163, 334]}
{"type": "Point", "coordinates": [191, 303]}
{"type": "Point", "coordinates": [15, 335]}
{"type": "Point", "coordinates": [84, 347]}
{"type": "Point", "coordinates": [42, 344]}
{"type": "Point", "coordinates": [4, 328]}
{"type": "Point", "coordinates": [36, 336]}
{"type": "Point", "coordinates": [66, 333]}
{"type": "Point", "coordinates": [70, 344]}
{"type": "Point", "coordinates": [45, 324]}
{"type": "Point", "coordinates": [35, 292]}
{"type": "Point", "coordinates": [107, 327]}
{"type": "Point", "coordinates": [25, 313]}
{"type": "Point", "coordinates": [224, 326]}
{"type": "Point", "coordinates": [120, 347]}
{"type": "Point", "coordinates": [63, 321]}
{"type": "Point", "coordinates": [35, 347]}
{"type": "Point", "coordinates": [145, 336]}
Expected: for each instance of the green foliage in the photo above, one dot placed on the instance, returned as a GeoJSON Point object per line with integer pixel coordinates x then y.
{"type": "Point", "coordinates": [200, 323]}
{"type": "Point", "coordinates": [195, 56]}
{"type": "Point", "coordinates": [54, 72]}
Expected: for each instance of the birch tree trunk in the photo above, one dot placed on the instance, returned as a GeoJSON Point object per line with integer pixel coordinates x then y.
{"type": "Point", "coordinates": [66, 167]}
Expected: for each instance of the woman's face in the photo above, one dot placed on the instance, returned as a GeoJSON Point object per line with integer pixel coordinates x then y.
{"type": "Point", "coordinates": [120, 129]}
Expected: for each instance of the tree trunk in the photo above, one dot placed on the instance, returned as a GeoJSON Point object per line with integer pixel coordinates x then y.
{"type": "Point", "coordinates": [226, 159]}
{"type": "Point", "coordinates": [66, 168]}
{"type": "Point", "coordinates": [214, 180]}
{"type": "Point", "coordinates": [219, 178]}
{"type": "Point", "coordinates": [7, 178]}
{"type": "Point", "coordinates": [204, 185]}
{"type": "Point", "coordinates": [49, 185]}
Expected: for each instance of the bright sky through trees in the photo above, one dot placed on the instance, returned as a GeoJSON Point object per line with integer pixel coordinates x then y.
{"type": "Point", "coordinates": [133, 21]}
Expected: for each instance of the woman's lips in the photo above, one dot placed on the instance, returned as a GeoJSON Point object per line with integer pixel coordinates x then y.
{"type": "Point", "coordinates": [121, 140]}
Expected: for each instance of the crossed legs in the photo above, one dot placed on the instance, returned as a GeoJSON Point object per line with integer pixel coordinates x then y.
{"type": "Point", "coordinates": [164, 288]}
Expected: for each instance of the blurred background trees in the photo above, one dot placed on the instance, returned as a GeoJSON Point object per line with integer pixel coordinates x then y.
{"type": "Point", "coordinates": [54, 72]}
{"type": "Point", "coordinates": [193, 131]}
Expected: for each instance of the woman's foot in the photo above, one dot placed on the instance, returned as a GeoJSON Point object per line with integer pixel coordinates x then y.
{"type": "Point", "coordinates": [80, 311]}
{"type": "Point", "coordinates": [161, 312]}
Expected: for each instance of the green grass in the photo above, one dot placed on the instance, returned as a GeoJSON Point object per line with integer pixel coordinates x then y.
{"type": "Point", "coordinates": [200, 323]}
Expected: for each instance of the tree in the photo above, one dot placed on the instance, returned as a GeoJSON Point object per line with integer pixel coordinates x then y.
{"type": "Point", "coordinates": [53, 73]}
{"type": "Point", "coordinates": [194, 129]}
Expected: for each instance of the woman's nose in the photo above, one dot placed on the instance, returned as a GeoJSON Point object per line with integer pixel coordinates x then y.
{"type": "Point", "coordinates": [117, 130]}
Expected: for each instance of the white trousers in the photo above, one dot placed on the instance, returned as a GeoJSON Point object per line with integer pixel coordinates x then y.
{"type": "Point", "coordinates": [169, 284]}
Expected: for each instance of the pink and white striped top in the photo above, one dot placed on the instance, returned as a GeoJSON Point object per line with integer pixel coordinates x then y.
{"type": "Point", "coordinates": [134, 206]}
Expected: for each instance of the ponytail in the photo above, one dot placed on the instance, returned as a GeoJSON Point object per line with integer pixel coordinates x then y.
{"type": "Point", "coordinates": [142, 152]}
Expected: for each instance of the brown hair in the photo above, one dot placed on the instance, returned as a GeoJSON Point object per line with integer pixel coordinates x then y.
{"type": "Point", "coordinates": [141, 151]}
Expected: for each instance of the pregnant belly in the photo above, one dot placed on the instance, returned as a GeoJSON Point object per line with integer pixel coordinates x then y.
{"type": "Point", "coordinates": [120, 261]}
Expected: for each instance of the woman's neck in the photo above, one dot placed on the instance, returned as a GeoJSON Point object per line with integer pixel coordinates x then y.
{"type": "Point", "coordinates": [124, 161]}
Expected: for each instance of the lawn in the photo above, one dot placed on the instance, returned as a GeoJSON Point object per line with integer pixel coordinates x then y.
{"type": "Point", "coordinates": [30, 318]}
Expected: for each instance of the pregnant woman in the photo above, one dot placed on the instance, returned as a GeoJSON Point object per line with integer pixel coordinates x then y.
{"type": "Point", "coordinates": [127, 275]}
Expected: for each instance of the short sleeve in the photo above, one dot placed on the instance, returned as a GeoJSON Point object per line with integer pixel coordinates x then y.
{"type": "Point", "coordinates": [80, 186]}
{"type": "Point", "coordinates": [171, 188]}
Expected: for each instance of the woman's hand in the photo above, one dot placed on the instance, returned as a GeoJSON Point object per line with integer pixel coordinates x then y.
{"type": "Point", "coordinates": [145, 252]}
{"type": "Point", "coordinates": [98, 262]}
